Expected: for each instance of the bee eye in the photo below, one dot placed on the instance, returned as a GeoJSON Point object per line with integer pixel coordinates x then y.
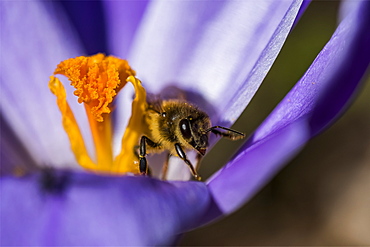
{"type": "Point", "coordinates": [185, 128]}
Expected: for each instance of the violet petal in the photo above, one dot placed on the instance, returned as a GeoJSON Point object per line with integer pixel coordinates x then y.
{"type": "Point", "coordinates": [331, 79]}
{"type": "Point", "coordinates": [14, 156]}
{"type": "Point", "coordinates": [218, 52]}
{"type": "Point", "coordinates": [222, 50]}
{"type": "Point", "coordinates": [35, 37]}
{"type": "Point", "coordinates": [353, 52]}
{"type": "Point", "coordinates": [123, 18]}
{"type": "Point", "coordinates": [84, 209]}
{"type": "Point", "coordinates": [312, 104]}
{"type": "Point", "coordinates": [241, 178]}
{"type": "Point", "coordinates": [301, 11]}
{"type": "Point", "coordinates": [89, 21]}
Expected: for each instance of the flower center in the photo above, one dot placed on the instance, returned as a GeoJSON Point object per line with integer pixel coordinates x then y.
{"type": "Point", "coordinates": [97, 80]}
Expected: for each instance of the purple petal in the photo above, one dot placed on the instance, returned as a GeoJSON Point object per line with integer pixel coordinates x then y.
{"type": "Point", "coordinates": [330, 81]}
{"type": "Point", "coordinates": [84, 209]}
{"type": "Point", "coordinates": [189, 44]}
{"type": "Point", "coordinates": [353, 53]}
{"type": "Point", "coordinates": [240, 179]}
{"type": "Point", "coordinates": [35, 37]}
{"type": "Point", "coordinates": [346, 7]}
{"type": "Point", "coordinates": [301, 11]}
{"type": "Point", "coordinates": [311, 105]}
{"type": "Point", "coordinates": [219, 49]}
{"type": "Point", "coordinates": [14, 155]}
{"type": "Point", "coordinates": [88, 19]}
{"type": "Point", "coordinates": [123, 18]}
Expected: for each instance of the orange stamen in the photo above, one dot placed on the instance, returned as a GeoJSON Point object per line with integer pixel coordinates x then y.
{"type": "Point", "coordinates": [97, 80]}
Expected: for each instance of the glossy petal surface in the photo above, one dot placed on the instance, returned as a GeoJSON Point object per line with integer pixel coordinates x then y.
{"type": "Point", "coordinates": [241, 178]}
{"type": "Point", "coordinates": [220, 52]}
{"type": "Point", "coordinates": [84, 209]}
{"type": "Point", "coordinates": [189, 45]}
{"type": "Point", "coordinates": [311, 105]}
{"type": "Point", "coordinates": [88, 19]}
{"type": "Point", "coordinates": [32, 43]}
{"type": "Point", "coordinates": [14, 156]}
{"type": "Point", "coordinates": [123, 19]}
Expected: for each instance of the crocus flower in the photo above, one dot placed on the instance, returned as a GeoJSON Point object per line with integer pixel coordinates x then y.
{"type": "Point", "coordinates": [220, 50]}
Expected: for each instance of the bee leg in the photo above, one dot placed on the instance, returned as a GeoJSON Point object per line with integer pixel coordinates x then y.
{"type": "Point", "coordinates": [165, 167]}
{"type": "Point", "coordinates": [143, 164]}
{"type": "Point", "coordinates": [198, 158]}
{"type": "Point", "coordinates": [182, 155]}
{"type": "Point", "coordinates": [230, 134]}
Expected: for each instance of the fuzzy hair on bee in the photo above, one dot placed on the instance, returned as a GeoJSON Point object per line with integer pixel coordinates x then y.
{"type": "Point", "coordinates": [177, 126]}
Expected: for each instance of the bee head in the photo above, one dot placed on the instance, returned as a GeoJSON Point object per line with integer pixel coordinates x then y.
{"type": "Point", "coordinates": [193, 131]}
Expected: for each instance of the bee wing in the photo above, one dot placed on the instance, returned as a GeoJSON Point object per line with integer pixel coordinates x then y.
{"type": "Point", "coordinates": [168, 93]}
{"type": "Point", "coordinates": [154, 102]}
{"type": "Point", "coordinates": [173, 92]}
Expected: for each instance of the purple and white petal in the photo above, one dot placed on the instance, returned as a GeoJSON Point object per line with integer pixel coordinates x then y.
{"type": "Point", "coordinates": [351, 48]}
{"type": "Point", "coordinates": [221, 50]}
{"type": "Point", "coordinates": [88, 19]}
{"type": "Point", "coordinates": [241, 178]}
{"type": "Point", "coordinates": [310, 106]}
{"type": "Point", "coordinates": [218, 52]}
{"type": "Point", "coordinates": [14, 156]}
{"type": "Point", "coordinates": [35, 37]}
{"type": "Point", "coordinates": [301, 11]}
{"type": "Point", "coordinates": [330, 81]}
{"type": "Point", "coordinates": [85, 209]}
{"type": "Point", "coordinates": [122, 20]}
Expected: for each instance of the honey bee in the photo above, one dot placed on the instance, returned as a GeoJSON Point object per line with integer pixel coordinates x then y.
{"type": "Point", "coordinates": [178, 126]}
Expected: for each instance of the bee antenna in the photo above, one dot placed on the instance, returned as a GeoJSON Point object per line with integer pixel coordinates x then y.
{"type": "Point", "coordinates": [224, 128]}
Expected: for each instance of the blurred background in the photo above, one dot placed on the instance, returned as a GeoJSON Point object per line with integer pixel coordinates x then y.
{"type": "Point", "coordinates": [322, 197]}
